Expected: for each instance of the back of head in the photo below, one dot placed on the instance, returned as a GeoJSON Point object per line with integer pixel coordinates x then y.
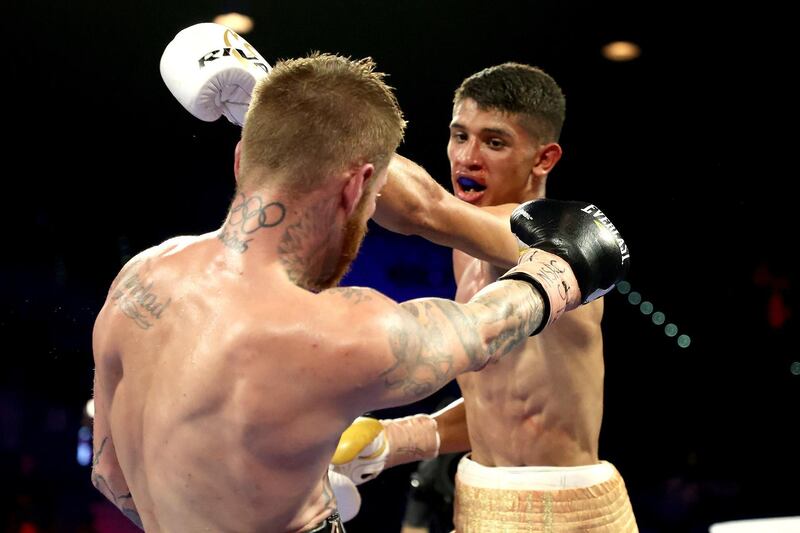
{"type": "Point", "coordinates": [520, 89]}
{"type": "Point", "coordinates": [316, 116]}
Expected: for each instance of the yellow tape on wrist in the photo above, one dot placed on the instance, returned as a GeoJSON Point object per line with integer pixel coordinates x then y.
{"type": "Point", "coordinates": [357, 437]}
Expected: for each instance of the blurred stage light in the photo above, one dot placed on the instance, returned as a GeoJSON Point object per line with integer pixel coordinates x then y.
{"type": "Point", "coordinates": [84, 455]}
{"type": "Point", "coordinates": [621, 51]}
{"type": "Point", "coordinates": [89, 410]}
{"type": "Point", "coordinates": [239, 23]}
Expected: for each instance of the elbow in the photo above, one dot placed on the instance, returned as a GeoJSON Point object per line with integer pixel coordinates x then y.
{"type": "Point", "coordinates": [96, 479]}
{"type": "Point", "coordinates": [419, 222]}
{"type": "Point", "coordinates": [414, 220]}
{"type": "Point", "coordinates": [101, 484]}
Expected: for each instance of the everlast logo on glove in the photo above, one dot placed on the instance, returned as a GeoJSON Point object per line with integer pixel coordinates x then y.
{"type": "Point", "coordinates": [578, 233]}
{"type": "Point", "coordinates": [603, 220]}
{"type": "Point", "coordinates": [239, 53]}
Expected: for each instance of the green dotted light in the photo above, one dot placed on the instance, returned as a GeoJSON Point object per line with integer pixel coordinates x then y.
{"type": "Point", "coordinates": [795, 368]}
{"type": "Point", "coordinates": [658, 318]}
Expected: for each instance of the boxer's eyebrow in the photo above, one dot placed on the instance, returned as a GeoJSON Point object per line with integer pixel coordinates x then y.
{"type": "Point", "coordinates": [492, 131]}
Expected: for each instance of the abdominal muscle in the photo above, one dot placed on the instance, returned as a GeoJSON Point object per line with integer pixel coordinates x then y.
{"type": "Point", "coordinates": [541, 404]}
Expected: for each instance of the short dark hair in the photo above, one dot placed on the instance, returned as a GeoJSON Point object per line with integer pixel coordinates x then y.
{"type": "Point", "coordinates": [519, 89]}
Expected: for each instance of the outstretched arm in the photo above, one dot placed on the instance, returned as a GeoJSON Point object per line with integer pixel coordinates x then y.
{"type": "Point", "coordinates": [407, 351]}
{"type": "Point", "coordinates": [571, 229]}
{"type": "Point", "coordinates": [413, 203]}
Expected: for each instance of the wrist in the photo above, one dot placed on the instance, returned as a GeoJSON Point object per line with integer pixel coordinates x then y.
{"type": "Point", "coordinates": [411, 438]}
{"type": "Point", "coordinates": [554, 280]}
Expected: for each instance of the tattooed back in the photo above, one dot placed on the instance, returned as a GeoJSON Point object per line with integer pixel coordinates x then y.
{"type": "Point", "coordinates": [221, 391]}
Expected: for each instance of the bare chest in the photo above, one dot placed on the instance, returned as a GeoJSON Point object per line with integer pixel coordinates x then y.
{"type": "Point", "coordinates": [472, 275]}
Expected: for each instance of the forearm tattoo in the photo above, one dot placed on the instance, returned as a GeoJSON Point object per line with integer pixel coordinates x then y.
{"type": "Point", "coordinates": [494, 323]}
{"type": "Point", "coordinates": [516, 314]}
{"type": "Point", "coordinates": [420, 345]}
{"type": "Point", "coordinates": [136, 298]}
{"type": "Point", "coordinates": [247, 216]}
{"type": "Point", "coordinates": [124, 502]}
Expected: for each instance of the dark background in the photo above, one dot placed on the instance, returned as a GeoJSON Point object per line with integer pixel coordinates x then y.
{"type": "Point", "coordinates": [689, 148]}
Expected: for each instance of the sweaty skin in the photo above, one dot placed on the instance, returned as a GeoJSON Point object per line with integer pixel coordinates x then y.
{"type": "Point", "coordinates": [543, 404]}
{"type": "Point", "coordinates": [222, 387]}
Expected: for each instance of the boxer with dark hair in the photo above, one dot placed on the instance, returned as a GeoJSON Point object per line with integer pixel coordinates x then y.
{"type": "Point", "coordinates": [531, 420]}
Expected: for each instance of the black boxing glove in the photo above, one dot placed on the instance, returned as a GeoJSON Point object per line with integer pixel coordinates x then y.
{"type": "Point", "coordinates": [580, 234]}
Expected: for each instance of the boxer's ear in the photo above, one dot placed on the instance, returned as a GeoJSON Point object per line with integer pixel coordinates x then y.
{"type": "Point", "coordinates": [355, 186]}
{"type": "Point", "coordinates": [237, 155]}
{"type": "Point", "coordinates": [547, 155]}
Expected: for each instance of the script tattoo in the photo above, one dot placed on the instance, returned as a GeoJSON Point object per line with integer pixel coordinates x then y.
{"type": "Point", "coordinates": [136, 299]}
{"type": "Point", "coordinates": [247, 216]}
{"type": "Point", "coordinates": [410, 452]}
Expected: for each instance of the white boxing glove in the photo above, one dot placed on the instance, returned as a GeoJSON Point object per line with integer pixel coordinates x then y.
{"type": "Point", "coordinates": [348, 499]}
{"type": "Point", "coordinates": [369, 446]}
{"type": "Point", "coordinates": [211, 70]}
{"type": "Point", "coordinates": [362, 450]}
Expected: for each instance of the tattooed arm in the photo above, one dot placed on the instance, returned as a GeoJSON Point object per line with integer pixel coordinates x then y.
{"type": "Point", "coordinates": [107, 476]}
{"type": "Point", "coordinates": [413, 203]}
{"type": "Point", "coordinates": [410, 350]}
{"type": "Point", "coordinates": [110, 481]}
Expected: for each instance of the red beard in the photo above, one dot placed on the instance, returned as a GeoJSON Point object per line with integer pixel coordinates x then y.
{"type": "Point", "coordinates": [352, 235]}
